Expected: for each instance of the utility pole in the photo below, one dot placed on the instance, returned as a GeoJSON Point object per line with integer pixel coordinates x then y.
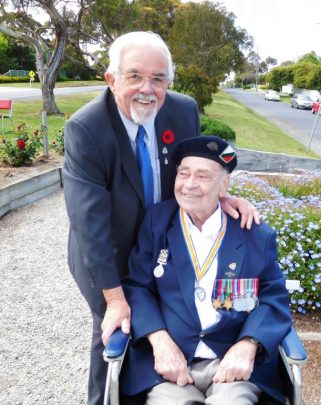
{"type": "Point", "coordinates": [257, 69]}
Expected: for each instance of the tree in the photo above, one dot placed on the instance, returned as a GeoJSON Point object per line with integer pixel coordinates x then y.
{"type": "Point", "coordinates": [49, 39]}
{"type": "Point", "coordinates": [194, 81]}
{"type": "Point", "coordinates": [6, 61]}
{"type": "Point", "coordinates": [204, 35]}
{"type": "Point", "coordinates": [280, 76]}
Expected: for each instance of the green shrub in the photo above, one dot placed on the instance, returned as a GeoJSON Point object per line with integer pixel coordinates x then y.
{"type": "Point", "coordinates": [216, 127]}
{"type": "Point", "coordinates": [247, 86]}
{"type": "Point", "coordinates": [22, 150]}
{"type": "Point", "coordinates": [58, 144]}
{"type": "Point", "coordinates": [14, 79]}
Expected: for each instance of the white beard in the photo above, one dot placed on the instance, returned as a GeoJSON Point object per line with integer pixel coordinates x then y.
{"type": "Point", "coordinates": [141, 115]}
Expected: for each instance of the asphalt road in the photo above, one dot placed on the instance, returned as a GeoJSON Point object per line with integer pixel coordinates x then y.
{"type": "Point", "coordinates": [28, 93]}
{"type": "Point", "coordinates": [296, 123]}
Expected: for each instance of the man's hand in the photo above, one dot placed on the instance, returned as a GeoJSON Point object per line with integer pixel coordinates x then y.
{"type": "Point", "coordinates": [170, 362]}
{"type": "Point", "coordinates": [239, 206]}
{"type": "Point", "coordinates": [238, 362]}
{"type": "Point", "coordinates": [117, 314]}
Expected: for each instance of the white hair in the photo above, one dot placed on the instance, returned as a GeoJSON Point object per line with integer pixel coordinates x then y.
{"type": "Point", "coordinates": [137, 38]}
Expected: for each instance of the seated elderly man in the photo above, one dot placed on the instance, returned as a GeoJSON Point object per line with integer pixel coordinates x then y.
{"type": "Point", "coordinates": [208, 299]}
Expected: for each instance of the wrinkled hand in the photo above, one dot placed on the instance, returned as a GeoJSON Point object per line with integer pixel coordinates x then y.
{"type": "Point", "coordinates": [238, 363]}
{"type": "Point", "coordinates": [170, 362]}
{"type": "Point", "coordinates": [239, 206]}
{"type": "Point", "coordinates": [117, 314]}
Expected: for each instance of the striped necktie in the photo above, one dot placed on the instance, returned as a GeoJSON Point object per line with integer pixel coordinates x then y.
{"type": "Point", "coordinates": [145, 166]}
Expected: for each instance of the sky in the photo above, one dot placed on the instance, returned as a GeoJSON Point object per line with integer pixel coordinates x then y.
{"type": "Point", "coordinates": [282, 29]}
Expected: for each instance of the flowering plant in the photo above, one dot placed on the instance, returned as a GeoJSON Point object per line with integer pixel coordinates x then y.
{"type": "Point", "coordinates": [22, 150]}
{"type": "Point", "coordinates": [59, 143]}
{"type": "Point", "coordinates": [295, 212]}
{"type": "Point", "coordinates": [168, 136]}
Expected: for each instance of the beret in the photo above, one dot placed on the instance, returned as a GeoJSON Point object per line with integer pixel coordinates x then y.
{"type": "Point", "coordinates": [206, 146]}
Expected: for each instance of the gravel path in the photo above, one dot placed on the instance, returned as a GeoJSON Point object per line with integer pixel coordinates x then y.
{"type": "Point", "coordinates": [45, 324]}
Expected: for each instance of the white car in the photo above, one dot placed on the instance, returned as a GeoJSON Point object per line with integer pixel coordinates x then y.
{"type": "Point", "coordinates": [272, 95]}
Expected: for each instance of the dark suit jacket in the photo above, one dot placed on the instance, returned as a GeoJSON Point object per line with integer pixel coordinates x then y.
{"type": "Point", "coordinates": [103, 188]}
{"type": "Point", "coordinates": [167, 302]}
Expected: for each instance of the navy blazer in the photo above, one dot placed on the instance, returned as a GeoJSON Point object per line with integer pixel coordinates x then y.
{"type": "Point", "coordinates": [103, 188]}
{"type": "Point", "coordinates": [167, 302]}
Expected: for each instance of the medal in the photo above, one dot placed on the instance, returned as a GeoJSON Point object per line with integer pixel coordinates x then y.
{"type": "Point", "coordinates": [238, 304]}
{"type": "Point", "coordinates": [162, 261]}
{"type": "Point", "coordinates": [159, 271]}
{"type": "Point", "coordinates": [200, 293]}
{"type": "Point", "coordinates": [217, 304]}
{"type": "Point", "coordinates": [228, 304]}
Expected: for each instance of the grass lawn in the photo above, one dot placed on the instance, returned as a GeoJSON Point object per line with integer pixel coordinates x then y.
{"type": "Point", "coordinates": [253, 131]}
{"type": "Point", "coordinates": [29, 112]}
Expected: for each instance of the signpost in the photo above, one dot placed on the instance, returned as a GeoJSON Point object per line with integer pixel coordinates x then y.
{"type": "Point", "coordinates": [32, 75]}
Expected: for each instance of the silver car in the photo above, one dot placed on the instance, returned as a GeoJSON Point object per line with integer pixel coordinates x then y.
{"type": "Point", "coordinates": [301, 101]}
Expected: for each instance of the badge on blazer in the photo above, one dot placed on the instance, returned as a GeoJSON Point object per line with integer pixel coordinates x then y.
{"type": "Point", "coordinates": [162, 261]}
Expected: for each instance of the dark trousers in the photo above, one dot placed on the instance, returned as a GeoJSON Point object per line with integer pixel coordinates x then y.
{"type": "Point", "coordinates": [97, 305]}
{"type": "Point", "coordinates": [98, 367]}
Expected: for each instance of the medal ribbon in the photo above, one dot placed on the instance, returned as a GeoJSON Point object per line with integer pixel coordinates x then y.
{"type": "Point", "coordinates": [201, 271]}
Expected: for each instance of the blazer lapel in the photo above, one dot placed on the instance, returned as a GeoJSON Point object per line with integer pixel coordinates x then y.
{"type": "Point", "coordinates": [183, 267]}
{"type": "Point", "coordinates": [127, 156]}
{"type": "Point", "coordinates": [167, 171]}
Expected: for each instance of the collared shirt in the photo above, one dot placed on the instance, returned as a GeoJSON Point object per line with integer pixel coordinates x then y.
{"type": "Point", "coordinates": [150, 139]}
{"type": "Point", "coordinates": [203, 241]}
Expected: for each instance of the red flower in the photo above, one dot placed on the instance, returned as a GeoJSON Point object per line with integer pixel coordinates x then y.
{"type": "Point", "coordinates": [168, 137]}
{"type": "Point", "coordinates": [21, 144]}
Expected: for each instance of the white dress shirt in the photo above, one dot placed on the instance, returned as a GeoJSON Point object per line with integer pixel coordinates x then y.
{"type": "Point", "coordinates": [203, 241]}
{"type": "Point", "coordinates": [150, 139]}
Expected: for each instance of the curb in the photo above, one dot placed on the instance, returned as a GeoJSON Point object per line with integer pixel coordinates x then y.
{"type": "Point", "coordinates": [27, 191]}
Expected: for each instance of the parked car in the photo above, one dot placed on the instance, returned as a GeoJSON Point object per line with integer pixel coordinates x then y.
{"type": "Point", "coordinates": [301, 101]}
{"type": "Point", "coordinates": [272, 95]}
{"type": "Point", "coordinates": [316, 106]}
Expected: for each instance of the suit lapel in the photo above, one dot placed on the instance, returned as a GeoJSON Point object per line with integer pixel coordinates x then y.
{"type": "Point", "coordinates": [127, 156]}
{"type": "Point", "coordinates": [183, 266]}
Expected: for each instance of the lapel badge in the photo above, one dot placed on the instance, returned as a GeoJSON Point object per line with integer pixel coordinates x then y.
{"type": "Point", "coordinates": [232, 266]}
{"type": "Point", "coordinates": [165, 151]}
{"type": "Point", "coordinates": [229, 274]}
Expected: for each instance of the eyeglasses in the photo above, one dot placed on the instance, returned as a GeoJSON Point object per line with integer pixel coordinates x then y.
{"type": "Point", "coordinates": [137, 80]}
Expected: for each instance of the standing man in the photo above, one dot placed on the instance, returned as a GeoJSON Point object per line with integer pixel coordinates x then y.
{"type": "Point", "coordinates": [117, 162]}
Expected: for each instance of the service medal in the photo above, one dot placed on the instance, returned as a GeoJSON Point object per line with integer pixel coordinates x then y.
{"type": "Point", "coordinates": [200, 293]}
{"type": "Point", "coordinates": [159, 271]}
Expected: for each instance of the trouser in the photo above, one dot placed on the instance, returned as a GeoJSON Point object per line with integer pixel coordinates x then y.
{"type": "Point", "coordinates": [97, 305]}
{"type": "Point", "coordinates": [203, 391]}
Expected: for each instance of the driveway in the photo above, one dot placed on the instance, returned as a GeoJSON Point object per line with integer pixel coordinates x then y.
{"type": "Point", "coordinates": [296, 123]}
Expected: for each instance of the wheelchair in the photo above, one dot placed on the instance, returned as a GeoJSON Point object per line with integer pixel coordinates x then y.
{"type": "Point", "coordinates": [291, 351]}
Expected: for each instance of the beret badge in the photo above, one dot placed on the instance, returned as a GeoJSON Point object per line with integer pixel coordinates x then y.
{"type": "Point", "coordinates": [212, 146]}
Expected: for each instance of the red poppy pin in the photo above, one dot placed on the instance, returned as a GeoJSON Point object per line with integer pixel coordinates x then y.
{"type": "Point", "coordinates": [168, 136]}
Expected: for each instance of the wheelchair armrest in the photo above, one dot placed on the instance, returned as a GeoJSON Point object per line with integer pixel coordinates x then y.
{"type": "Point", "coordinates": [116, 346]}
{"type": "Point", "coordinates": [292, 350]}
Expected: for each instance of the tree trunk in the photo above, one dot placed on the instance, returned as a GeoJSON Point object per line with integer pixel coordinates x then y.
{"type": "Point", "coordinates": [48, 98]}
